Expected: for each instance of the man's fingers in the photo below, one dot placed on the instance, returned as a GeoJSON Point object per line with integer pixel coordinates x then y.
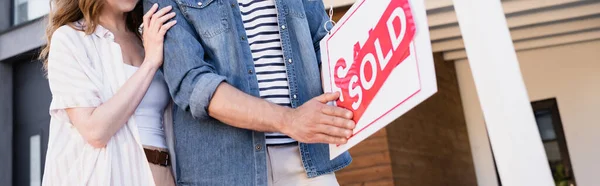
{"type": "Point", "coordinates": [337, 122]}
{"type": "Point", "coordinates": [334, 131]}
{"type": "Point", "coordinates": [323, 138]}
{"type": "Point", "coordinates": [327, 97]}
{"type": "Point", "coordinates": [336, 111]}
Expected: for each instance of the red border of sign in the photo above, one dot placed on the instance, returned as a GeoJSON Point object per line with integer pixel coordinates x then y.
{"type": "Point", "coordinates": [393, 108]}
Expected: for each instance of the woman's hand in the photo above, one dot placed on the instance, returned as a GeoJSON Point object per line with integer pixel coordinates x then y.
{"type": "Point", "coordinates": [154, 29]}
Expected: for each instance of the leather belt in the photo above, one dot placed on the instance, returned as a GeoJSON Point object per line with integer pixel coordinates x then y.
{"type": "Point", "coordinates": [158, 157]}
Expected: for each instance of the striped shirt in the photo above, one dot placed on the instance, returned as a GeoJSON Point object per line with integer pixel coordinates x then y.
{"type": "Point", "coordinates": [262, 30]}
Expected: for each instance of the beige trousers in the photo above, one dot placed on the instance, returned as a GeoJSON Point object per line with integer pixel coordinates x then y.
{"type": "Point", "coordinates": [162, 175]}
{"type": "Point", "coordinates": [285, 168]}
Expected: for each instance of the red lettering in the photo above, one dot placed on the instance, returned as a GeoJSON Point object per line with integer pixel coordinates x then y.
{"type": "Point", "coordinates": [386, 47]}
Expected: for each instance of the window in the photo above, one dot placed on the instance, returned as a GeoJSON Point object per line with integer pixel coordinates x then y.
{"type": "Point", "coordinates": [27, 10]}
{"type": "Point", "coordinates": [35, 160]}
{"type": "Point", "coordinates": [551, 131]}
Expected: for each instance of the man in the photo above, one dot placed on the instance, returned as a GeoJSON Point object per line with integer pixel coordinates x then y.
{"type": "Point", "coordinates": [245, 77]}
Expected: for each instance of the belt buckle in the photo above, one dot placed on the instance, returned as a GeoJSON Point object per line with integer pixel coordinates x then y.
{"type": "Point", "coordinates": [166, 162]}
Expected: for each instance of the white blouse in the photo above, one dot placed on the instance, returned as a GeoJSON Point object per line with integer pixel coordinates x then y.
{"type": "Point", "coordinates": [85, 71]}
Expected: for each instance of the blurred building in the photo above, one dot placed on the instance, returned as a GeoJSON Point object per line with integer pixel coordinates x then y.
{"type": "Point", "coordinates": [443, 141]}
{"type": "Point", "coordinates": [24, 93]}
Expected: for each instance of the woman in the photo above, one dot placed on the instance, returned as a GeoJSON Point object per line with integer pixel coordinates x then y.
{"type": "Point", "coordinates": [108, 96]}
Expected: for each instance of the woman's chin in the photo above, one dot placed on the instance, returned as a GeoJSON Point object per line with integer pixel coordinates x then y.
{"type": "Point", "coordinates": [127, 5]}
{"type": "Point", "coordinates": [127, 8]}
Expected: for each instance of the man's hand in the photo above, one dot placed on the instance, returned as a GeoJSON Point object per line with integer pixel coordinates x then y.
{"type": "Point", "coordinates": [317, 122]}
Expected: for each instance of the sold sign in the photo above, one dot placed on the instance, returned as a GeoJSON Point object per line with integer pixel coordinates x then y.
{"type": "Point", "coordinates": [386, 47]}
{"type": "Point", "coordinates": [378, 57]}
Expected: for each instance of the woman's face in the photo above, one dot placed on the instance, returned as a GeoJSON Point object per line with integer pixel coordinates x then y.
{"type": "Point", "coordinates": [121, 5]}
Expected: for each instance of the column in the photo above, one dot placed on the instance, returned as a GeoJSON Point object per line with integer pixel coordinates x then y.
{"type": "Point", "coordinates": [516, 143]}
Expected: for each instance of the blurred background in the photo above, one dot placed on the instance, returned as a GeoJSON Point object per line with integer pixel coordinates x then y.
{"type": "Point", "coordinates": [443, 141]}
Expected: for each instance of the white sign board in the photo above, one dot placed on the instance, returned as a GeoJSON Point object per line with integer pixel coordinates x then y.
{"type": "Point", "coordinates": [379, 58]}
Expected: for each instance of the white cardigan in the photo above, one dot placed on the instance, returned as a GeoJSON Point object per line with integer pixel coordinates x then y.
{"type": "Point", "coordinates": [85, 71]}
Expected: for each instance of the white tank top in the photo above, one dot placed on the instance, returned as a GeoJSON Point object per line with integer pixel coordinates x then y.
{"type": "Point", "coordinates": [149, 114]}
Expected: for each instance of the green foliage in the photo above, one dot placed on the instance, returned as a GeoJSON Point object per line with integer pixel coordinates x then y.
{"type": "Point", "coordinates": [560, 179]}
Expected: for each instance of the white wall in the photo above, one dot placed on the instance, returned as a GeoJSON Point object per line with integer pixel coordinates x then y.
{"type": "Point", "coordinates": [571, 73]}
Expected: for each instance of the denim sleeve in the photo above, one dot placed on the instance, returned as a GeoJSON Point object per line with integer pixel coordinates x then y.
{"type": "Point", "coordinates": [192, 81]}
{"type": "Point", "coordinates": [317, 18]}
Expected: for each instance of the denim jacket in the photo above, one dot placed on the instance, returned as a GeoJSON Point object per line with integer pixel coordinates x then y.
{"type": "Point", "coordinates": [208, 46]}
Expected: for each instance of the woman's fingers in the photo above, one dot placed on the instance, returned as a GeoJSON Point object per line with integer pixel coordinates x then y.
{"type": "Point", "coordinates": [156, 16]}
{"type": "Point", "coordinates": [165, 18]}
{"type": "Point", "coordinates": [148, 15]}
{"type": "Point", "coordinates": [163, 29]}
{"type": "Point", "coordinates": [161, 12]}
{"type": "Point", "coordinates": [154, 21]}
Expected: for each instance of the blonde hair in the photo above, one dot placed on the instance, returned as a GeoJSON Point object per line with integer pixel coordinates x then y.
{"type": "Point", "coordinates": [66, 12]}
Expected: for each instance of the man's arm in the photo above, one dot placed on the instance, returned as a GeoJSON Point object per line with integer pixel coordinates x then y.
{"type": "Point", "coordinates": [196, 87]}
{"type": "Point", "coordinates": [313, 122]}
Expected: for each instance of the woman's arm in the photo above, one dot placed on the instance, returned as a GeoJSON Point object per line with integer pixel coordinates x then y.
{"type": "Point", "coordinates": [98, 125]}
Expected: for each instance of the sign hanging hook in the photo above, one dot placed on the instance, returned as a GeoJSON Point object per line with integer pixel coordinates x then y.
{"type": "Point", "coordinates": [330, 18]}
